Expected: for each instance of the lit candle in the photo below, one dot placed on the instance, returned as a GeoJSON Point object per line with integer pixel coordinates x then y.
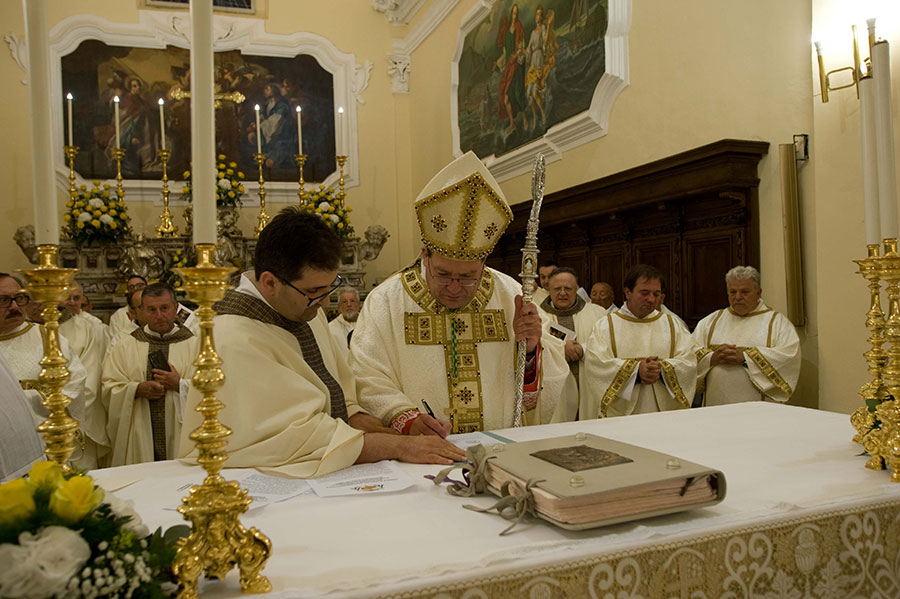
{"type": "Point", "coordinates": [258, 131]}
{"type": "Point", "coordinates": [884, 139]}
{"type": "Point", "coordinates": [69, 107]}
{"type": "Point", "coordinates": [869, 160]}
{"type": "Point", "coordinates": [46, 207]}
{"type": "Point", "coordinates": [299, 133]}
{"type": "Point", "coordinates": [116, 103]}
{"type": "Point", "coordinates": [203, 124]}
{"type": "Point", "coordinates": [162, 124]}
{"type": "Point", "coordinates": [338, 143]}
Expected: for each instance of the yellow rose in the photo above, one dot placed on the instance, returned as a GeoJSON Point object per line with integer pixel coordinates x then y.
{"type": "Point", "coordinates": [96, 182]}
{"type": "Point", "coordinates": [113, 225]}
{"type": "Point", "coordinates": [16, 500]}
{"type": "Point", "coordinates": [79, 204]}
{"type": "Point", "coordinates": [220, 157]}
{"type": "Point", "coordinates": [220, 174]}
{"type": "Point", "coordinates": [107, 186]}
{"type": "Point", "coordinates": [112, 212]}
{"type": "Point", "coordinates": [229, 171]}
{"type": "Point", "coordinates": [232, 164]}
{"type": "Point", "coordinates": [80, 224]}
{"type": "Point", "coordinates": [67, 217]}
{"type": "Point", "coordinates": [230, 194]}
{"type": "Point", "coordinates": [75, 498]}
{"type": "Point", "coordinates": [318, 211]}
{"type": "Point", "coordinates": [76, 212]}
{"type": "Point", "coordinates": [103, 208]}
{"type": "Point", "coordinates": [221, 166]}
{"type": "Point", "coordinates": [349, 209]}
{"type": "Point", "coordinates": [95, 190]}
{"type": "Point", "coordinates": [69, 204]}
{"type": "Point", "coordinates": [97, 213]}
{"type": "Point", "coordinates": [240, 175]}
{"type": "Point", "coordinates": [124, 216]}
{"type": "Point", "coordinates": [45, 472]}
{"type": "Point", "coordinates": [241, 188]}
{"type": "Point", "coordinates": [95, 223]}
{"type": "Point", "coordinates": [185, 189]}
{"type": "Point", "coordinates": [105, 194]}
{"type": "Point", "coordinates": [340, 225]}
{"type": "Point", "coordinates": [83, 188]}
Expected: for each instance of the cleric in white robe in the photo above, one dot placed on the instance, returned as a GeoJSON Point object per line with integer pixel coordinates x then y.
{"type": "Point", "coordinates": [638, 359]}
{"type": "Point", "coordinates": [747, 351]}
{"type": "Point", "coordinates": [345, 322]}
{"type": "Point", "coordinates": [444, 329]}
{"type": "Point", "coordinates": [122, 320]}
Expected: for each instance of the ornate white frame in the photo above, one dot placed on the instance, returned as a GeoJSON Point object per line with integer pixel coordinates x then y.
{"type": "Point", "coordinates": [587, 126]}
{"type": "Point", "coordinates": [157, 29]}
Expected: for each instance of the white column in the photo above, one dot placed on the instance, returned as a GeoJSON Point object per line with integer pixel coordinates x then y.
{"type": "Point", "coordinates": [203, 126]}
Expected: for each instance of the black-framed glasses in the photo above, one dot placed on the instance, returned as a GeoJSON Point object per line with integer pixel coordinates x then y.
{"type": "Point", "coordinates": [445, 281]}
{"type": "Point", "coordinates": [338, 282]}
{"type": "Point", "coordinates": [20, 298]}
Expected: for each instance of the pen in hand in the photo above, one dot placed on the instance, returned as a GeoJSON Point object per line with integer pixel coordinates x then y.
{"type": "Point", "coordinates": [428, 409]}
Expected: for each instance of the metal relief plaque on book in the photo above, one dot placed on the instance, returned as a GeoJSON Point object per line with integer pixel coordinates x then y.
{"type": "Point", "coordinates": [580, 457]}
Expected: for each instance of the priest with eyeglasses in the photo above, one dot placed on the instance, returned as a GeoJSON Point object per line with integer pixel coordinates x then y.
{"type": "Point", "coordinates": [434, 348]}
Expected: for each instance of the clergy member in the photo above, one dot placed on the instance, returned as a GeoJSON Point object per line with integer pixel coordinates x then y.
{"type": "Point", "coordinates": [747, 351]}
{"type": "Point", "coordinates": [443, 331]}
{"type": "Point", "coordinates": [289, 395]}
{"type": "Point", "coordinates": [73, 303]}
{"type": "Point", "coordinates": [145, 382]}
{"type": "Point", "coordinates": [340, 327]}
{"type": "Point", "coordinates": [542, 291]}
{"type": "Point", "coordinates": [568, 316]}
{"type": "Point", "coordinates": [602, 295]}
{"type": "Point", "coordinates": [22, 446]}
{"type": "Point", "coordinates": [638, 359]}
{"type": "Point", "coordinates": [120, 323]}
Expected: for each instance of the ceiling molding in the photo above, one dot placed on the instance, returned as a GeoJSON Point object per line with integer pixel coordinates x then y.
{"type": "Point", "coordinates": [398, 12]}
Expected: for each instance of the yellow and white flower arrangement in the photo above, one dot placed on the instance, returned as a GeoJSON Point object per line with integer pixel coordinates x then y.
{"type": "Point", "coordinates": [229, 183]}
{"type": "Point", "coordinates": [327, 204]}
{"type": "Point", "coordinates": [61, 538]}
{"type": "Point", "coordinates": [96, 214]}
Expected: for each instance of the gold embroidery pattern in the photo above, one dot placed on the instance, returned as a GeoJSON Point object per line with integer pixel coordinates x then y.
{"type": "Point", "coordinates": [618, 382]}
{"type": "Point", "coordinates": [768, 370]}
{"type": "Point", "coordinates": [703, 352]}
{"type": "Point", "coordinates": [668, 372]}
{"type": "Point", "coordinates": [15, 334]}
{"type": "Point", "coordinates": [474, 325]}
{"type": "Point", "coordinates": [712, 327]}
{"type": "Point", "coordinates": [491, 230]}
{"type": "Point", "coordinates": [438, 222]}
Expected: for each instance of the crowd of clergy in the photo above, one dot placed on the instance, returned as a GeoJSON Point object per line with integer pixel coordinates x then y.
{"type": "Point", "coordinates": [431, 351]}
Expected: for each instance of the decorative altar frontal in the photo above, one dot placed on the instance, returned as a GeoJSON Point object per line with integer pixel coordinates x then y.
{"type": "Point", "coordinates": [802, 518]}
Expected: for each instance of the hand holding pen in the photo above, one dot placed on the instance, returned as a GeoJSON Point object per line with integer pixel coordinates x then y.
{"type": "Point", "coordinates": [429, 424]}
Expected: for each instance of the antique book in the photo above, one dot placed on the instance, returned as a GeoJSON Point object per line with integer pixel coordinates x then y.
{"type": "Point", "coordinates": [583, 481]}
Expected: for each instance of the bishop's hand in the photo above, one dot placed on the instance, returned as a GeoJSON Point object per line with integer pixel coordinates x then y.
{"type": "Point", "coordinates": [527, 324]}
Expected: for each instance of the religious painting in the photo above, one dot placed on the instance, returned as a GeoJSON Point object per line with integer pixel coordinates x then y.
{"type": "Point", "coordinates": [95, 73]}
{"type": "Point", "coordinates": [240, 6]}
{"type": "Point", "coordinates": [528, 65]}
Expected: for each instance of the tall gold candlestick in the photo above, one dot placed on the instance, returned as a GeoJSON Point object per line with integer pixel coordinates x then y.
{"type": "Point", "coordinates": [217, 541]}
{"type": "Point", "coordinates": [341, 160]}
{"type": "Point", "coordinates": [71, 153]}
{"type": "Point", "coordinates": [301, 160]}
{"type": "Point", "coordinates": [166, 227]}
{"type": "Point", "coordinates": [118, 154]}
{"type": "Point", "coordinates": [263, 219]}
{"type": "Point", "coordinates": [885, 442]}
{"type": "Point", "coordinates": [50, 285]}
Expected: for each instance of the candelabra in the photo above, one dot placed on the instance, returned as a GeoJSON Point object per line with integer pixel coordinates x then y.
{"type": "Point", "coordinates": [341, 160]}
{"type": "Point", "coordinates": [118, 154]}
{"type": "Point", "coordinates": [217, 541]}
{"type": "Point", "coordinates": [49, 285]}
{"type": "Point", "coordinates": [263, 220]}
{"type": "Point", "coordinates": [166, 227]}
{"type": "Point", "coordinates": [301, 160]}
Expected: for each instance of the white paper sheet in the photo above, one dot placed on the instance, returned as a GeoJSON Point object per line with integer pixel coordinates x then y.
{"type": "Point", "coordinates": [466, 440]}
{"type": "Point", "coordinates": [362, 479]}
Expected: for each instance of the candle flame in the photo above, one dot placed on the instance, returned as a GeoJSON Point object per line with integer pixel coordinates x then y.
{"type": "Point", "coordinates": [298, 109]}
{"type": "Point", "coordinates": [69, 96]}
{"type": "Point", "coordinates": [161, 102]}
{"type": "Point", "coordinates": [341, 109]}
{"type": "Point", "coordinates": [116, 99]}
{"type": "Point", "coordinates": [256, 108]}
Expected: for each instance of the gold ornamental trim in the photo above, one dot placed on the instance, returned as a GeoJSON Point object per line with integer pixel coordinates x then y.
{"type": "Point", "coordinates": [748, 315]}
{"type": "Point", "coordinates": [612, 336]}
{"type": "Point", "coordinates": [671, 336]}
{"type": "Point", "coordinates": [703, 352]}
{"type": "Point", "coordinates": [671, 378]}
{"type": "Point", "coordinates": [619, 381]}
{"type": "Point", "coordinates": [768, 370]}
{"type": "Point", "coordinates": [637, 320]}
{"type": "Point", "coordinates": [712, 327]}
{"type": "Point", "coordinates": [18, 333]}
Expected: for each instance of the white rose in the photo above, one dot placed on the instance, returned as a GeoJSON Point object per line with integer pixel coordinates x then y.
{"type": "Point", "coordinates": [42, 564]}
{"type": "Point", "coordinates": [122, 507]}
{"type": "Point", "coordinates": [84, 217]}
{"type": "Point", "coordinates": [105, 218]}
{"type": "Point", "coordinates": [334, 218]}
{"type": "Point", "coordinates": [224, 183]}
{"type": "Point", "coordinates": [19, 574]}
{"type": "Point", "coordinates": [96, 203]}
{"type": "Point", "coordinates": [324, 205]}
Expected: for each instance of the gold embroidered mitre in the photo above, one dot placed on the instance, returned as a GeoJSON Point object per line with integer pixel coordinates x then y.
{"type": "Point", "coordinates": [462, 212]}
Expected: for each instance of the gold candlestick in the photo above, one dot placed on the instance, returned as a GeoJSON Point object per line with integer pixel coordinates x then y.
{"type": "Point", "coordinates": [166, 227]}
{"type": "Point", "coordinates": [341, 160]}
{"type": "Point", "coordinates": [71, 153]}
{"type": "Point", "coordinates": [118, 154]}
{"type": "Point", "coordinates": [301, 160]}
{"type": "Point", "coordinates": [50, 285]}
{"type": "Point", "coordinates": [217, 541]}
{"type": "Point", "coordinates": [263, 219]}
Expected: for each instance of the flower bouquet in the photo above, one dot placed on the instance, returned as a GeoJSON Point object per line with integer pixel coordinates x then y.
{"type": "Point", "coordinates": [95, 214]}
{"type": "Point", "coordinates": [229, 186]}
{"type": "Point", "coordinates": [178, 260]}
{"type": "Point", "coordinates": [60, 538]}
{"type": "Point", "coordinates": [327, 205]}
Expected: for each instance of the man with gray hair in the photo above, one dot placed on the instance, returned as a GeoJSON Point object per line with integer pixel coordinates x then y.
{"type": "Point", "coordinates": [343, 325]}
{"type": "Point", "coordinates": [747, 351]}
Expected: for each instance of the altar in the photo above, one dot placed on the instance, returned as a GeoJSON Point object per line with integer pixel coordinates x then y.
{"type": "Point", "coordinates": [802, 518]}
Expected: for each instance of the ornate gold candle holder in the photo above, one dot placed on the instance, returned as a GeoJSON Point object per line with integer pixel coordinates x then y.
{"type": "Point", "coordinates": [118, 154]}
{"type": "Point", "coordinates": [301, 160]}
{"type": "Point", "coordinates": [217, 541]}
{"type": "Point", "coordinates": [71, 153]}
{"type": "Point", "coordinates": [342, 160]}
{"type": "Point", "coordinates": [49, 285]}
{"type": "Point", "coordinates": [166, 227]}
{"type": "Point", "coordinates": [263, 219]}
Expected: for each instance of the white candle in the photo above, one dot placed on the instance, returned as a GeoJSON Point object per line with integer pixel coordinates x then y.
{"type": "Point", "coordinates": [258, 131]}
{"type": "Point", "coordinates": [162, 124]}
{"type": "Point", "coordinates": [299, 133]}
{"type": "Point", "coordinates": [46, 208]}
{"type": "Point", "coordinates": [203, 123]}
{"type": "Point", "coordinates": [339, 141]}
{"type": "Point", "coordinates": [869, 160]}
{"type": "Point", "coordinates": [116, 104]}
{"type": "Point", "coordinates": [69, 108]}
{"type": "Point", "coordinates": [884, 139]}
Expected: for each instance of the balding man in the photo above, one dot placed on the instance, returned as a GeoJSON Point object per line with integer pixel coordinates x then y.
{"type": "Point", "coordinates": [343, 325]}
{"type": "Point", "coordinates": [120, 323]}
{"type": "Point", "coordinates": [602, 295]}
{"type": "Point", "coordinates": [73, 303]}
{"type": "Point", "coordinates": [747, 351]}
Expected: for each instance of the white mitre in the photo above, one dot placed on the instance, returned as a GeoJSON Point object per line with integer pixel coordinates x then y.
{"type": "Point", "coordinates": [462, 211]}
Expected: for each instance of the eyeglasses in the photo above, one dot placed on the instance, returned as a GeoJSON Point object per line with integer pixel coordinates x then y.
{"type": "Point", "coordinates": [338, 282]}
{"type": "Point", "coordinates": [445, 281]}
{"type": "Point", "coordinates": [20, 298]}
{"type": "Point", "coordinates": [135, 286]}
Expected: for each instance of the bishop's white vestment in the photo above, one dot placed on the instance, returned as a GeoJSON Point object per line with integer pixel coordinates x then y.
{"type": "Point", "coordinates": [771, 356]}
{"type": "Point", "coordinates": [130, 421]}
{"type": "Point", "coordinates": [617, 345]}
{"type": "Point", "coordinates": [278, 408]}
{"type": "Point", "coordinates": [408, 347]}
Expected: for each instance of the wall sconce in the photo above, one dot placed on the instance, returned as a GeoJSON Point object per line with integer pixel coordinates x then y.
{"type": "Point", "coordinates": [855, 71]}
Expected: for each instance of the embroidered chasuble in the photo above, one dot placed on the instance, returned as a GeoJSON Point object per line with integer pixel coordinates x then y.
{"type": "Point", "coordinates": [277, 402]}
{"type": "Point", "coordinates": [617, 345]}
{"type": "Point", "coordinates": [771, 355]}
{"type": "Point", "coordinates": [408, 347]}
{"type": "Point", "coordinates": [142, 430]}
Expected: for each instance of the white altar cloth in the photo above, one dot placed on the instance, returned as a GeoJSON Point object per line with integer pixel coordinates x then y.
{"type": "Point", "coordinates": [799, 508]}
